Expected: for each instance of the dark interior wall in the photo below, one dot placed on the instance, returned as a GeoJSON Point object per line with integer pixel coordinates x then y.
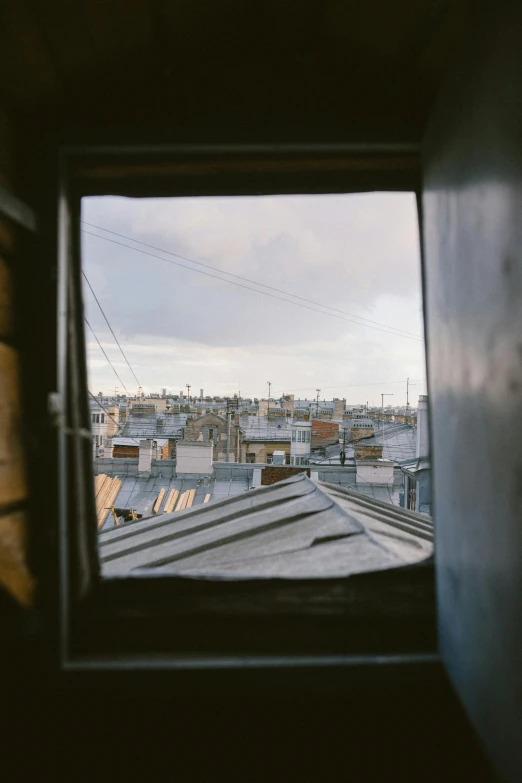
{"type": "Point", "coordinates": [472, 205]}
{"type": "Point", "coordinates": [15, 576]}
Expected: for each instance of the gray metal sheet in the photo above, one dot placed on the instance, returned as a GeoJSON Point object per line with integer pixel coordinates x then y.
{"type": "Point", "coordinates": [294, 528]}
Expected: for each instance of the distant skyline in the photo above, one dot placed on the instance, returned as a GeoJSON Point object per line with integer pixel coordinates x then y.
{"type": "Point", "coordinates": [358, 254]}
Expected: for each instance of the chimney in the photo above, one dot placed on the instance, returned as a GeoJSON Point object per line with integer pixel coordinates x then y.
{"type": "Point", "coordinates": [201, 394]}
{"type": "Point", "coordinates": [109, 449]}
{"type": "Point", "coordinates": [194, 457]}
{"type": "Point", "coordinates": [146, 452]}
{"type": "Point", "coordinates": [423, 433]}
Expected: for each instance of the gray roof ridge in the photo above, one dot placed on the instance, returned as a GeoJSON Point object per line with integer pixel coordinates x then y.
{"type": "Point", "coordinates": [135, 527]}
{"type": "Point", "coordinates": [393, 515]}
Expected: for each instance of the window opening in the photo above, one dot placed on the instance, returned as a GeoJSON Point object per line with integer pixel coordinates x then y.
{"type": "Point", "coordinates": [264, 287]}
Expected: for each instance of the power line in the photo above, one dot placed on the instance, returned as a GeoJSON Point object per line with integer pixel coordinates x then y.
{"type": "Point", "coordinates": [110, 327]}
{"type": "Point", "coordinates": [101, 346]}
{"type": "Point", "coordinates": [96, 400]}
{"type": "Point", "coordinates": [249, 288]}
{"type": "Point", "coordinates": [351, 385]}
{"type": "Point", "coordinates": [246, 279]}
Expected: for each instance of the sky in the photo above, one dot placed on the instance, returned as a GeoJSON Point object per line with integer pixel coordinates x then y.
{"type": "Point", "coordinates": [351, 257]}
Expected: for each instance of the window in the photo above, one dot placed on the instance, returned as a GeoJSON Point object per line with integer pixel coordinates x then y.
{"type": "Point", "coordinates": [111, 611]}
{"type": "Point", "coordinates": [102, 418]}
{"type": "Point", "coordinates": [211, 434]}
{"type": "Point", "coordinates": [250, 458]}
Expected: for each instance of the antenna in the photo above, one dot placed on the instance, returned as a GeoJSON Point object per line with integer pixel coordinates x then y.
{"type": "Point", "coordinates": [408, 384]}
{"type": "Point", "coordinates": [317, 402]}
{"type": "Point", "coordinates": [386, 394]}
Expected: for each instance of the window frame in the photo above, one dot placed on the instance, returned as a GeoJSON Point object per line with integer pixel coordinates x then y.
{"type": "Point", "coordinates": [147, 620]}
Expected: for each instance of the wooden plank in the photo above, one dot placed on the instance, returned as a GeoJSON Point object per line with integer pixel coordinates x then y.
{"type": "Point", "coordinates": [181, 502]}
{"type": "Point", "coordinates": [101, 501]}
{"type": "Point", "coordinates": [113, 492]}
{"type": "Point", "coordinates": [207, 498]}
{"type": "Point", "coordinates": [171, 501]}
{"type": "Point", "coordinates": [190, 498]}
{"type": "Point", "coordinates": [98, 481]}
{"type": "Point", "coordinates": [157, 505]}
{"type": "Point", "coordinates": [168, 501]}
{"type": "Point", "coordinates": [115, 488]}
{"type": "Point", "coordinates": [103, 480]}
{"type": "Point", "coordinates": [102, 493]}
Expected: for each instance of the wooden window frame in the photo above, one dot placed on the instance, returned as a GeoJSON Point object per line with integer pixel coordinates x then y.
{"type": "Point", "coordinates": [152, 622]}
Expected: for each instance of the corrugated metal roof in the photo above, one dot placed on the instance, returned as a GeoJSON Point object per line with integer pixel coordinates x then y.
{"type": "Point", "coordinates": [296, 529]}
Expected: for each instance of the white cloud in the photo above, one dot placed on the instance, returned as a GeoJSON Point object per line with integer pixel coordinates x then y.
{"type": "Point", "coordinates": [356, 253]}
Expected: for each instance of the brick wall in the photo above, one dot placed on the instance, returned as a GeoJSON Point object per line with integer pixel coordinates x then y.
{"type": "Point", "coordinates": [324, 433]}
{"type": "Point", "coordinates": [125, 452]}
{"type": "Point", "coordinates": [360, 433]}
{"type": "Point", "coordinates": [364, 451]}
{"type": "Point", "coordinates": [275, 473]}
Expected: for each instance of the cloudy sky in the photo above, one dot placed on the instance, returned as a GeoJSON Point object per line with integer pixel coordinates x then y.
{"type": "Point", "coordinates": [350, 257]}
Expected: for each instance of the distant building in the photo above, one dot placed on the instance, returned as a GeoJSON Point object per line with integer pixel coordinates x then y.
{"type": "Point", "coordinates": [214, 428]}
{"type": "Point", "coordinates": [324, 433]}
{"type": "Point", "coordinates": [301, 442]}
{"type": "Point", "coordinates": [262, 438]}
{"type": "Point", "coordinates": [104, 425]}
{"type": "Point", "coordinates": [417, 475]}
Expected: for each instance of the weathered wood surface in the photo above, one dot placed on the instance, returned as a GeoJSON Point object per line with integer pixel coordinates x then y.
{"type": "Point", "coordinates": [171, 501]}
{"type": "Point", "coordinates": [14, 572]}
{"type": "Point", "coordinates": [191, 494]}
{"type": "Point", "coordinates": [182, 501]}
{"type": "Point", "coordinates": [157, 505]}
{"type": "Point", "coordinates": [110, 497]}
{"type": "Point", "coordinates": [13, 484]}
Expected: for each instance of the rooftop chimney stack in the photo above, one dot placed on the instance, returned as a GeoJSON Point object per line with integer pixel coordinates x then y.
{"type": "Point", "coordinates": [147, 450]}
{"type": "Point", "coordinates": [423, 433]}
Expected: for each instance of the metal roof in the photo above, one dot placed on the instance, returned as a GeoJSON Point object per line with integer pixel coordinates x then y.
{"type": "Point", "coordinates": [117, 441]}
{"type": "Point", "coordinates": [399, 442]}
{"type": "Point", "coordinates": [141, 492]}
{"type": "Point", "coordinates": [259, 428]}
{"type": "Point", "coordinates": [296, 528]}
{"type": "Point", "coordinates": [154, 425]}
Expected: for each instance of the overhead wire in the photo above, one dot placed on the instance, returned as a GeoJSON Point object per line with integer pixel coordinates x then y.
{"type": "Point", "coordinates": [103, 350]}
{"type": "Point", "coordinates": [110, 327]}
{"type": "Point", "coordinates": [96, 400]}
{"type": "Point", "coordinates": [246, 279]}
{"type": "Point", "coordinates": [352, 385]}
{"type": "Point", "coordinates": [256, 290]}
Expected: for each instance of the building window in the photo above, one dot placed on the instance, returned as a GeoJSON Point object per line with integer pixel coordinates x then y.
{"type": "Point", "coordinates": [211, 434]}
{"type": "Point", "coordinates": [250, 458]}
{"type": "Point", "coordinates": [102, 418]}
{"type": "Point", "coordinates": [269, 459]}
